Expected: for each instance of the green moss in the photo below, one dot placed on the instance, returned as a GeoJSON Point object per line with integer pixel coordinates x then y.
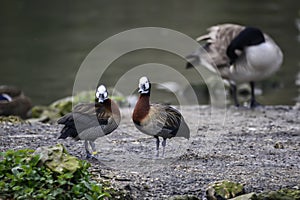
{"type": "Point", "coordinates": [224, 190]}
{"type": "Point", "coordinates": [283, 194]}
{"type": "Point", "coordinates": [45, 113]}
{"type": "Point", "coordinates": [183, 197]}
{"type": "Point", "coordinates": [11, 119]}
{"type": "Point", "coordinates": [57, 159]}
{"type": "Point", "coordinates": [62, 106]}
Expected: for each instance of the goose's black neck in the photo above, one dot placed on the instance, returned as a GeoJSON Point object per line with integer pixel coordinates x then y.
{"type": "Point", "coordinates": [248, 37]}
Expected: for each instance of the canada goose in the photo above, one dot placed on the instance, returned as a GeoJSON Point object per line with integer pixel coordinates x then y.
{"type": "Point", "coordinates": [156, 119]}
{"type": "Point", "coordinates": [92, 120]}
{"type": "Point", "coordinates": [239, 53]}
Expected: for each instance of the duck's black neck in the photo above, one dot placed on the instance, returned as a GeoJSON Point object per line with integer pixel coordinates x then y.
{"type": "Point", "coordinates": [106, 104]}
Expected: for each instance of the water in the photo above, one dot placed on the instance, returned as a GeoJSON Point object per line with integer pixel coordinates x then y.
{"type": "Point", "coordinates": [43, 43]}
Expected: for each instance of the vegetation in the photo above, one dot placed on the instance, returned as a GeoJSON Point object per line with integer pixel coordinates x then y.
{"type": "Point", "coordinates": [23, 175]}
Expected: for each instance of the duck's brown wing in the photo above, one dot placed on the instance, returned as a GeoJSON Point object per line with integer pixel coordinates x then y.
{"type": "Point", "coordinates": [85, 116]}
{"type": "Point", "coordinates": [170, 121]}
{"type": "Point", "coordinates": [109, 116]}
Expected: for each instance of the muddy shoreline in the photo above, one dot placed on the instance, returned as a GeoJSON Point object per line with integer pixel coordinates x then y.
{"type": "Point", "coordinates": [258, 148]}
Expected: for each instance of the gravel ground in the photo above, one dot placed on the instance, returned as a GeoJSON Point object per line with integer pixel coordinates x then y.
{"type": "Point", "coordinates": [242, 150]}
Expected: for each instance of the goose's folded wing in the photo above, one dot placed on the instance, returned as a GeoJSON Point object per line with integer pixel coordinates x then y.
{"type": "Point", "coordinates": [216, 42]}
{"type": "Point", "coordinates": [167, 118]}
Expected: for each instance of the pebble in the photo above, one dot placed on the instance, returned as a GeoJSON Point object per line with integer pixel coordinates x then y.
{"type": "Point", "coordinates": [240, 151]}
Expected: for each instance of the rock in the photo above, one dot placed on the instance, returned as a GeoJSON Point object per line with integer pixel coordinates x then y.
{"type": "Point", "coordinates": [62, 106]}
{"type": "Point", "coordinates": [297, 106]}
{"type": "Point", "coordinates": [44, 114]}
{"type": "Point", "coordinates": [283, 194]}
{"type": "Point", "coordinates": [57, 159]}
{"type": "Point", "coordinates": [278, 145]}
{"type": "Point", "coordinates": [244, 197]}
{"type": "Point", "coordinates": [11, 119]}
{"type": "Point", "coordinates": [183, 197]}
{"type": "Point", "coordinates": [224, 190]}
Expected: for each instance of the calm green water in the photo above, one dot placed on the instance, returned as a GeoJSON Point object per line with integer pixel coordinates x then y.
{"type": "Point", "coordinates": [43, 43]}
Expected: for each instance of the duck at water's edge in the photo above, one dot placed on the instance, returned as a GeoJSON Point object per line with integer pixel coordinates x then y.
{"type": "Point", "coordinates": [240, 54]}
{"type": "Point", "coordinates": [89, 121]}
{"type": "Point", "coordinates": [14, 102]}
{"type": "Point", "coordinates": [157, 120]}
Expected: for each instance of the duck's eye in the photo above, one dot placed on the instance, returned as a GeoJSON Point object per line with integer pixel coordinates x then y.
{"type": "Point", "coordinates": [145, 86]}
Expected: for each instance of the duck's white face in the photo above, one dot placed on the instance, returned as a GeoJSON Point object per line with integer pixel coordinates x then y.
{"type": "Point", "coordinates": [144, 85]}
{"type": "Point", "coordinates": [101, 93]}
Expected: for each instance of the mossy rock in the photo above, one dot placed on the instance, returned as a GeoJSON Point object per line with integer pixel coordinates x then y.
{"type": "Point", "coordinates": [11, 119]}
{"type": "Point", "coordinates": [183, 197]}
{"type": "Point", "coordinates": [244, 196]}
{"type": "Point", "coordinates": [283, 194]}
{"type": "Point", "coordinates": [224, 190]}
{"type": "Point", "coordinates": [44, 114]}
{"type": "Point", "coordinates": [62, 106]}
{"type": "Point", "coordinates": [57, 159]}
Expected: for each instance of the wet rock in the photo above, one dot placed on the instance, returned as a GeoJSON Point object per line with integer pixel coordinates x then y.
{"type": "Point", "coordinates": [283, 194]}
{"type": "Point", "coordinates": [183, 197]}
{"type": "Point", "coordinates": [224, 190]}
{"type": "Point", "coordinates": [244, 197]}
{"type": "Point", "coordinates": [297, 106]}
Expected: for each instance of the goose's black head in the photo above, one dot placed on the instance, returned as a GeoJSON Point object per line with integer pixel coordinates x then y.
{"type": "Point", "coordinates": [144, 85]}
{"type": "Point", "coordinates": [248, 37]}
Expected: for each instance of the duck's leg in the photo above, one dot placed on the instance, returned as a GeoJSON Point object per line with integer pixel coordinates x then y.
{"type": "Point", "coordinates": [157, 146]}
{"type": "Point", "coordinates": [233, 91]}
{"type": "Point", "coordinates": [164, 143]}
{"type": "Point", "coordinates": [253, 102]}
{"type": "Point", "coordinates": [94, 150]}
{"type": "Point", "coordinates": [88, 154]}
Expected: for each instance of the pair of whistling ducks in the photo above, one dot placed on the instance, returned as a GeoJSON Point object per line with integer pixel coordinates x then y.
{"type": "Point", "coordinates": [99, 119]}
{"type": "Point", "coordinates": [240, 54]}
